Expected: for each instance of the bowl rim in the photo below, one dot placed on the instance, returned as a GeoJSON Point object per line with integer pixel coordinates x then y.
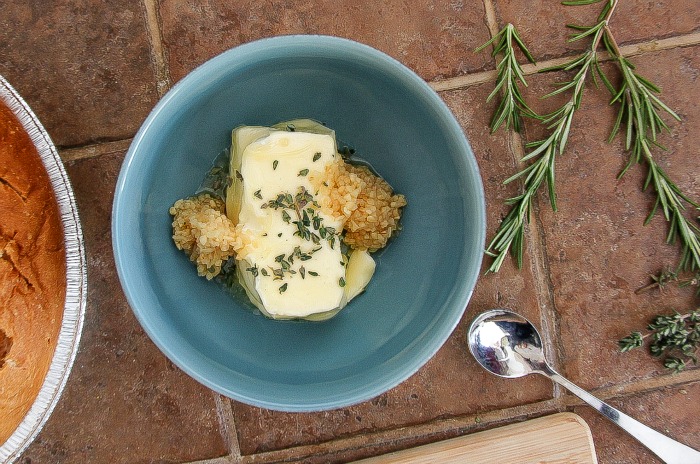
{"type": "Point", "coordinates": [217, 64]}
{"type": "Point", "coordinates": [76, 280]}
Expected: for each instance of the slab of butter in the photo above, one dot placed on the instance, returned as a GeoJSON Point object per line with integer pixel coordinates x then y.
{"type": "Point", "coordinates": [285, 274]}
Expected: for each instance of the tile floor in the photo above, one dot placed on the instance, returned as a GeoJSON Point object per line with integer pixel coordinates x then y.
{"type": "Point", "coordinates": [92, 70]}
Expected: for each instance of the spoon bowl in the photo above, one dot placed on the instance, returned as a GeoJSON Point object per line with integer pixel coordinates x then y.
{"type": "Point", "coordinates": [508, 345]}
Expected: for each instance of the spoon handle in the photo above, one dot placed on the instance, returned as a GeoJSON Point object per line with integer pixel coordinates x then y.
{"type": "Point", "coordinates": [671, 451]}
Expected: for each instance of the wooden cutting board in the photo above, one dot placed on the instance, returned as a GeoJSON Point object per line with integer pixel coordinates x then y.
{"type": "Point", "coordinates": [562, 438]}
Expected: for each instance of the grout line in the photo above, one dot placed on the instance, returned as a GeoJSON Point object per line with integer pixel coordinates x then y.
{"type": "Point", "coordinates": [224, 413]}
{"type": "Point", "coordinates": [549, 318]}
{"type": "Point", "coordinates": [647, 385]}
{"type": "Point", "coordinates": [158, 54]}
{"type": "Point", "coordinates": [538, 262]}
{"type": "Point", "coordinates": [529, 68]}
{"type": "Point", "coordinates": [467, 80]}
{"type": "Point", "coordinates": [92, 151]}
{"type": "Point", "coordinates": [685, 40]}
{"type": "Point", "coordinates": [163, 75]}
{"type": "Point", "coordinates": [491, 20]}
{"type": "Point", "coordinates": [228, 427]}
{"type": "Point", "coordinates": [627, 392]}
{"type": "Point", "coordinates": [406, 437]}
{"type": "Point", "coordinates": [443, 429]}
{"type": "Point", "coordinates": [221, 460]}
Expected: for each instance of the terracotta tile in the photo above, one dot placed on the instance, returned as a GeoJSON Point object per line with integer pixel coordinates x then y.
{"type": "Point", "coordinates": [82, 65]}
{"type": "Point", "coordinates": [510, 288]}
{"type": "Point", "coordinates": [85, 68]}
{"type": "Point", "coordinates": [672, 411]}
{"type": "Point", "coordinates": [597, 248]}
{"type": "Point", "coordinates": [543, 24]}
{"type": "Point", "coordinates": [434, 38]}
{"type": "Point", "coordinates": [452, 383]}
{"type": "Point", "coordinates": [124, 401]}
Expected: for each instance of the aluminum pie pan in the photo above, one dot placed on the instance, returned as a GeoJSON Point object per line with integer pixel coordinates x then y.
{"type": "Point", "coordinates": [76, 281]}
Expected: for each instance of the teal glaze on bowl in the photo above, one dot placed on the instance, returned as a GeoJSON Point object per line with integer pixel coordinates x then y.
{"type": "Point", "coordinates": [423, 281]}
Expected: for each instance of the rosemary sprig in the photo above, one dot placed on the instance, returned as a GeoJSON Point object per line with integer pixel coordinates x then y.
{"type": "Point", "coordinates": [512, 106]}
{"type": "Point", "coordinates": [640, 115]}
{"type": "Point", "coordinates": [509, 237]}
{"type": "Point", "coordinates": [674, 337]}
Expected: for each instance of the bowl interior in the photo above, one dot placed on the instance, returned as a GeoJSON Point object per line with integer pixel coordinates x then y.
{"type": "Point", "coordinates": [423, 279]}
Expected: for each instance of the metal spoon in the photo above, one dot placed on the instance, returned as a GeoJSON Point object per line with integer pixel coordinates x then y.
{"type": "Point", "coordinates": [508, 345]}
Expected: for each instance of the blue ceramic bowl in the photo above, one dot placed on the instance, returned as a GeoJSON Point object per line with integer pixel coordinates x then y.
{"type": "Point", "coordinates": [423, 279]}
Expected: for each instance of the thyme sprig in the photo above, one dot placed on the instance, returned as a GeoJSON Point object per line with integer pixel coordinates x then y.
{"type": "Point", "coordinates": [669, 276]}
{"type": "Point", "coordinates": [509, 237]}
{"type": "Point", "coordinates": [660, 280]}
{"type": "Point", "coordinates": [675, 337]}
{"type": "Point", "coordinates": [512, 106]}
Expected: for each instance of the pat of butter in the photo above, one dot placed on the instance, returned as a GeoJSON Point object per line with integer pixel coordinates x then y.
{"type": "Point", "coordinates": [286, 274]}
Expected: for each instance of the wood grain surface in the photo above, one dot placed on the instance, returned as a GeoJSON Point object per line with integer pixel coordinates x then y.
{"type": "Point", "coordinates": [556, 439]}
